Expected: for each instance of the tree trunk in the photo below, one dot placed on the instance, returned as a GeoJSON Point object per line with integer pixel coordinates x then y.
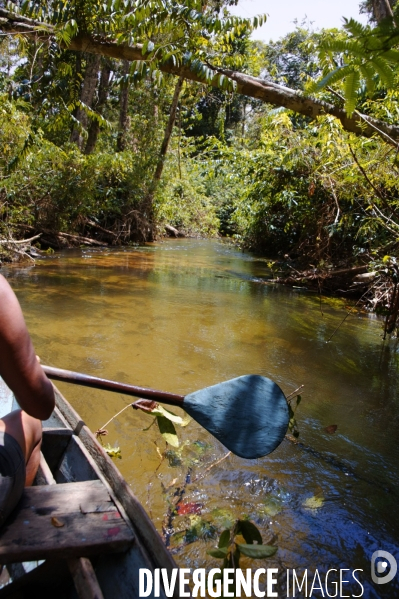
{"type": "Point", "coordinates": [86, 96]}
{"type": "Point", "coordinates": [252, 87]}
{"type": "Point", "coordinates": [123, 108]}
{"type": "Point", "coordinates": [249, 86]}
{"type": "Point", "coordinates": [94, 127]}
{"type": "Point", "coordinates": [148, 204]}
{"type": "Point", "coordinates": [167, 135]}
{"type": "Point", "coordinates": [382, 9]}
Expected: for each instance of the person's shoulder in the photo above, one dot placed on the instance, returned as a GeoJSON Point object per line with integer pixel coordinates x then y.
{"type": "Point", "coordinates": [5, 289]}
{"type": "Point", "coordinates": [3, 282]}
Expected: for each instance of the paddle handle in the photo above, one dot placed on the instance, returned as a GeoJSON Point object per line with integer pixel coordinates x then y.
{"type": "Point", "coordinates": [77, 378]}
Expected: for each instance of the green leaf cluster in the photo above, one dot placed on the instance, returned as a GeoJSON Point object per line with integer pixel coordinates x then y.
{"type": "Point", "coordinates": [362, 57]}
{"type": "Point", "coordinates": [166, 421]}
{"type": "Point", "coordinates": [230, 546]}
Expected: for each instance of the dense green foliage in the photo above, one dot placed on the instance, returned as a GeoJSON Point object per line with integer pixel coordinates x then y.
{"type": "Point", "coordinates": [81, 135]}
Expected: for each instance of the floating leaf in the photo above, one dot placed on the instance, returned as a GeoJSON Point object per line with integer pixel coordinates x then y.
{"type": "Point", "coordinates": [113, 452]}
{"type": "Point", "coordinates": [200, 447]}
{"type": "Point", "coordinates": [313, 503]}
{"type": "Point", "coordinates": [272, 505]}
{"type": "Point", "coordinates": [331, 429]}
{"type": "Point", "coordinates": [189, 508]}
{"type": "Point", "coordinates": [257, 551]}
{"type": "Point", "coordinates": [168, 431]}
{"type": "Point", "coordinates": [223, 517]}
{"type": "Point", "coordinates": [200, 529]}
{"type": "Point", "coordinates": [185, 420]}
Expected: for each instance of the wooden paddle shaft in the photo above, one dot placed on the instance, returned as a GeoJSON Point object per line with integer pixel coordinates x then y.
{"type": "Point", "coordinates": [86, 380]}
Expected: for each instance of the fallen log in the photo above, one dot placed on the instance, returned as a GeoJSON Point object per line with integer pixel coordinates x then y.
{"type": "Point", "coordinates": [81, 240]}
{"type": "Point", "coordinates": [329, 280]}
{"type": "Point", "coordinates": [12, 250]}
{"type": "Point", "coordinates": [253, 87]}
{"type": "Point", "coordinates": [91, 223]}
{"type": "Point", "coordinates": [19, 241]}
{"type": "Point", "coordinates": [173, 232]}
{"type": "Point", "coordinates": [58, 240]}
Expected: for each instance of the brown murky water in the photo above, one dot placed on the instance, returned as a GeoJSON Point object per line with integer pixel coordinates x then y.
{"type": "Point", "coordinates": [182, 315]}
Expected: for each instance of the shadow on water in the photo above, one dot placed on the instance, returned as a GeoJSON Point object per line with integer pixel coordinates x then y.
{"type": "Point", "coordinates": [186, 314]}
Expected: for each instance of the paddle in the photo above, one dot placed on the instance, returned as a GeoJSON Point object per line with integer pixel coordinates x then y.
{"type": "Point", "coordinates": [249, 414]}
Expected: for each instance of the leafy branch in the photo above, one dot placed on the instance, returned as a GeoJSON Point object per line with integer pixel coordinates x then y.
{"type": "Point", "coordinates": [230, 547]}
{"type": "Point", "coordinates": [165, 420]}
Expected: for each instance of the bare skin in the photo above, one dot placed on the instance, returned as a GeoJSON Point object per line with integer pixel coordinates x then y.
{"type": "Point", "coordinates": [28, 432]}
{"type": "Point", "coordinates": [22, 372]}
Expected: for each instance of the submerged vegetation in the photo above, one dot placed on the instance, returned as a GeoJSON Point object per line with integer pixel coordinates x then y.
{"type": "Point", "coordinates": [101, 144]}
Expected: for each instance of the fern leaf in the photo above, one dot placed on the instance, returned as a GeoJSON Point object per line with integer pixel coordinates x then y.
{"type": "Point", "coordinates": [356, 29]}
{"type": "Point", "coordinates": [343, 46]}
{"type": "Point", "coordinates": [391, 56]}
{"type": "Point", "coordinates": [383, 69]}
{"type": "Point", "coordinates": [333, 77]}
{"type": "Point", "coordinates": [351, 86]}
{"type": "Point", "coordinates": [368, 74]}
{"type": "Point", "coordinates": [21, 156]}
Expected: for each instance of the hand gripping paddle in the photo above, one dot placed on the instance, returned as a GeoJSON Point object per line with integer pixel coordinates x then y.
{"type": "Point", "coordinates": [249, 414]}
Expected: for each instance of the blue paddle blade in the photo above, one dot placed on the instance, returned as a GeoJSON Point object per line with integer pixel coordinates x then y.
{"type": "Point", "coordinates": [249, 414]}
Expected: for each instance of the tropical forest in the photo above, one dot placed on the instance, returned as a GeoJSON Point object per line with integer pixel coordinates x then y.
{"type": "Point", "coordinates": [128, 121]}
{"type": "Point", "coordinates": [180, 204]}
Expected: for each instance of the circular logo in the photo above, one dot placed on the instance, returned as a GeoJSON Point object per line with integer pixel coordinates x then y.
{"type": "Point", "coordinates": [383, 562]}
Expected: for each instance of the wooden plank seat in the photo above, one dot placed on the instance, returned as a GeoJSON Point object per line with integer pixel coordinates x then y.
{"type": "Point", "coordinates": [60, 521]}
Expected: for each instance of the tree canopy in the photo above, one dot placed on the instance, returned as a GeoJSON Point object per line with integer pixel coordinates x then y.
{"type": "Point", "coordinates": [123, 121]}
{"type": "Point", "coordinates": [113, 38]}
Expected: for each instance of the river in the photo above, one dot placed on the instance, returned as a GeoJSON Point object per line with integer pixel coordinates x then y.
{"type": "Point", "coordinates": [185, 314]}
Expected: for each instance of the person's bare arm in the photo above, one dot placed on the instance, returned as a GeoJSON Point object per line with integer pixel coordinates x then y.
{"type": "Point", "coordinates": [18, 364]}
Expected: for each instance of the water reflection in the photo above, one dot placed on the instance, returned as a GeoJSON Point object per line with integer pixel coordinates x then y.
{"type": "Point", "coordinates": [186, 314]}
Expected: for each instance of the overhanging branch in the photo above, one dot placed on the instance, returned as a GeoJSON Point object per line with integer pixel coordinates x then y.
{"type": "Point", "coordinates": [252, 87]}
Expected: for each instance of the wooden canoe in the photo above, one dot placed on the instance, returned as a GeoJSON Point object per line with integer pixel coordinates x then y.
{"type": "Point", "coordinates": [79, 531]}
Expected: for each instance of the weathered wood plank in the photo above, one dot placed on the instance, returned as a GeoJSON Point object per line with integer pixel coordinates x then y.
{"type": "Point", "coordinates": [44, 475]}
{"type": "Point", "coordinates": [147, 535]}
{"type": "Point", "coordinates": [92, 465]}
{"type": "Point", "coordinates": [74, 465]}
{"type": "Point", "coordinates": [84, 578]}
{"type": "Point", "coordinates": [118, 574]}
{"type": "Point", "coordinates": [49, 523]}
{"type": "Point", "coordinates": [62, 499]}
{"type": "Point", "coordinates": [54, 444]}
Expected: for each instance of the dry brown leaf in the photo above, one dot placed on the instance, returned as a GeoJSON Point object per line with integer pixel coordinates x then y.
{"type": "Point", "coordinates": [331, 429]}
{"type": "Point", "coordinates": [57, 523]}
{"type": "Point", "coordinates": [172, 483]}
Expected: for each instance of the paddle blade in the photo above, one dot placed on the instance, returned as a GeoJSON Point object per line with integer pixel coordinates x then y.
{"type": "Point", "coordinates": [249, 414]}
